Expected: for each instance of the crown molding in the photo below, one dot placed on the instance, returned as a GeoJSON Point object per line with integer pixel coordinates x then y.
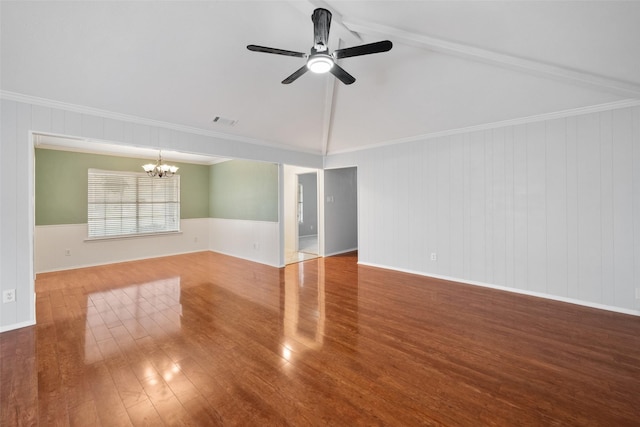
{"type": "Point", "coordinates": [543, 69]}
{"type": "Point", "coordinates": [81, 109]}
{"type": "Point", "coordinates": [504, 123]}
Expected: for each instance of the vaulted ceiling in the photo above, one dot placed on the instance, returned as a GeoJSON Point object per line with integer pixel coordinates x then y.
{"type": "Point", "coordinates": [453, 65]}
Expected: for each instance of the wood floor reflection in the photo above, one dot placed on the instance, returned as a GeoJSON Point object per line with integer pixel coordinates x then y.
{"type": "Point", "coordinates": [205, 339]}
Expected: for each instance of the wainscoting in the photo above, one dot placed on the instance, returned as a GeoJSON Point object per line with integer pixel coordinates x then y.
{"type": "Point", "coordinates": [61, 247]}
{"type": "Point", "coordinates": [251, 240]}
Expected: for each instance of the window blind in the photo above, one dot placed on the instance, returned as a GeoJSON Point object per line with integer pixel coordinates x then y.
{"type": "Point", "coordinates": [130, 203]}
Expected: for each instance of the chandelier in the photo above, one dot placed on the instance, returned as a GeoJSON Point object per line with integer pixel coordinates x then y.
{"type": "Point", "coordinates": [160, 169]}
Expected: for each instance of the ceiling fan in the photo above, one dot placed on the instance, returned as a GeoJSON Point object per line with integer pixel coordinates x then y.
{"type": "Point", "coordinates": [319, 60]}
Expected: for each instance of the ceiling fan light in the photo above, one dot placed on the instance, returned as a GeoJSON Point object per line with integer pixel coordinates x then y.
{"type": "Point", "coordinates": [320, 63]}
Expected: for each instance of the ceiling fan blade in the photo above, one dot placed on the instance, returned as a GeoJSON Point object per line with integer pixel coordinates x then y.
{"type": "Point", "coordinates": [321, 19]}
{"type": "Point", "coordinates": [342, 75]}
{"type": "Point", "coordinates": [293, 77]}
{"type": "Point", "coordinates": [364, 49]}
{"type": "Point", "coordinates": [254, 48]}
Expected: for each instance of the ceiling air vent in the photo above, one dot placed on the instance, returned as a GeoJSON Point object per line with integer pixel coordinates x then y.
{"type": "Point", "coordinates": [223, 121]}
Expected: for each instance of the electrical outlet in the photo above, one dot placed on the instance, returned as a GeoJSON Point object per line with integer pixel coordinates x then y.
{"type": "Point", "coordinates": [9, 295]}
{"type": "Point", "coordinates": [637, 293]}
{"type": "Point", "coordinates": [434, 256]}
{"type": "Point", "coordinates": [256, 245]}
{"type": "Point", "coordinates": [195, 239]}
{"type": "Point", "coordinates": [67, 252]}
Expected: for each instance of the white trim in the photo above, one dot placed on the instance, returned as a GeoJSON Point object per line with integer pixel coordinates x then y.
{"type": "Point", "coordinates": [340, 252]}
{"type": "Point", "coordinates": [508, 289]}
{"type": "Point", "coordinates": [131, 236]}
{"type": "Point", "coordinates": [616, 105]}
{"type": "Point", "coordinates": [43, 102]}
{"type": "Point", "coordinates": [117, 173]}
{"type": "Point", "coordinates": [257, 221]}
{"type": "Point", "coordinates": [14, 326]}
{"type": "Point", "coordinates": [615, 86]}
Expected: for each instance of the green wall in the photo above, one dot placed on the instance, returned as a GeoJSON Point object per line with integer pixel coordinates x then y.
{"type": "Point", "coordinates": [235, 189]}
{"type": "Point", "coordinates": [61, 185]}
{"type": "Point", "coordinates": [242, 189]}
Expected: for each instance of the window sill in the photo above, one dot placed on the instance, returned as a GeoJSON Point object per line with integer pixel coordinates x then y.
{"type": "Point", "coordinates": [132, 236]}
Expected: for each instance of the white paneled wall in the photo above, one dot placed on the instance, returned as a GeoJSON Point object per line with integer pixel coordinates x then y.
{"type": "Point", "coordinates": [257, 241]}
{"type": "Point", "coordinates": [16, 215]}
{"type": "Point", "coordinates": [21, 116]}
{"type": "Point", "coordinates": [549, 208]}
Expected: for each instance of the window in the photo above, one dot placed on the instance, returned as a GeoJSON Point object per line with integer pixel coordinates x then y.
{"type": "Point", "coordinates": [130, 203]}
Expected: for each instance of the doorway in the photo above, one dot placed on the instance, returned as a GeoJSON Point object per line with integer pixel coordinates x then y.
{"type": "Point", "coordinates": [307, 213]}
{"type": "Point", "coordinates": [302, 220]}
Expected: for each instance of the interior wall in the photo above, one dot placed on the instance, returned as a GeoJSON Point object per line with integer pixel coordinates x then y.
{"type": "Point", "coordinates": [20, 118]}
{"type": "Point", "coordinates": [16, 215]}
{"type": "Point", "coordinates": [244, 210]}
{"type": "Point", "coordinates": [62, 187]}
{"type": "Point", "coordinates": [244, 190]}
{"type": "Point", "coordinates": [548, 208]}
{"type": "Point", "coordinates": [257, 241]}
{"type": "Point", "coordinates": [61, 206]}
{"type": "Point", "coordinates": [340, 210]}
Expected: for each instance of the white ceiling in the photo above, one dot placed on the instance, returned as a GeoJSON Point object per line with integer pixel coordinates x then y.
{"type": "Point", "coordinates": [454, 64]}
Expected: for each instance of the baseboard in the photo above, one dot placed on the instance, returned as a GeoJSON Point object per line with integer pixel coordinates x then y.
{"type": "Point", "coordinates": [17, 326]}
{"type": "Point", "coordinates": [341, 252]}
{"type": "Point", "coordinates": [513, 290]}
{"type": "Point", "coordinates": [76, 267]}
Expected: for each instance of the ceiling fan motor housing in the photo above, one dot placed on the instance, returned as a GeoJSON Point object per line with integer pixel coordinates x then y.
{"type": "Point", "coordinates": [321, 19]}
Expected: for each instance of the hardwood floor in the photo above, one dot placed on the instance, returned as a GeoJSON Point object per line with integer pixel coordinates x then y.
{"type": "Point", "coordinates": [206, 339]}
